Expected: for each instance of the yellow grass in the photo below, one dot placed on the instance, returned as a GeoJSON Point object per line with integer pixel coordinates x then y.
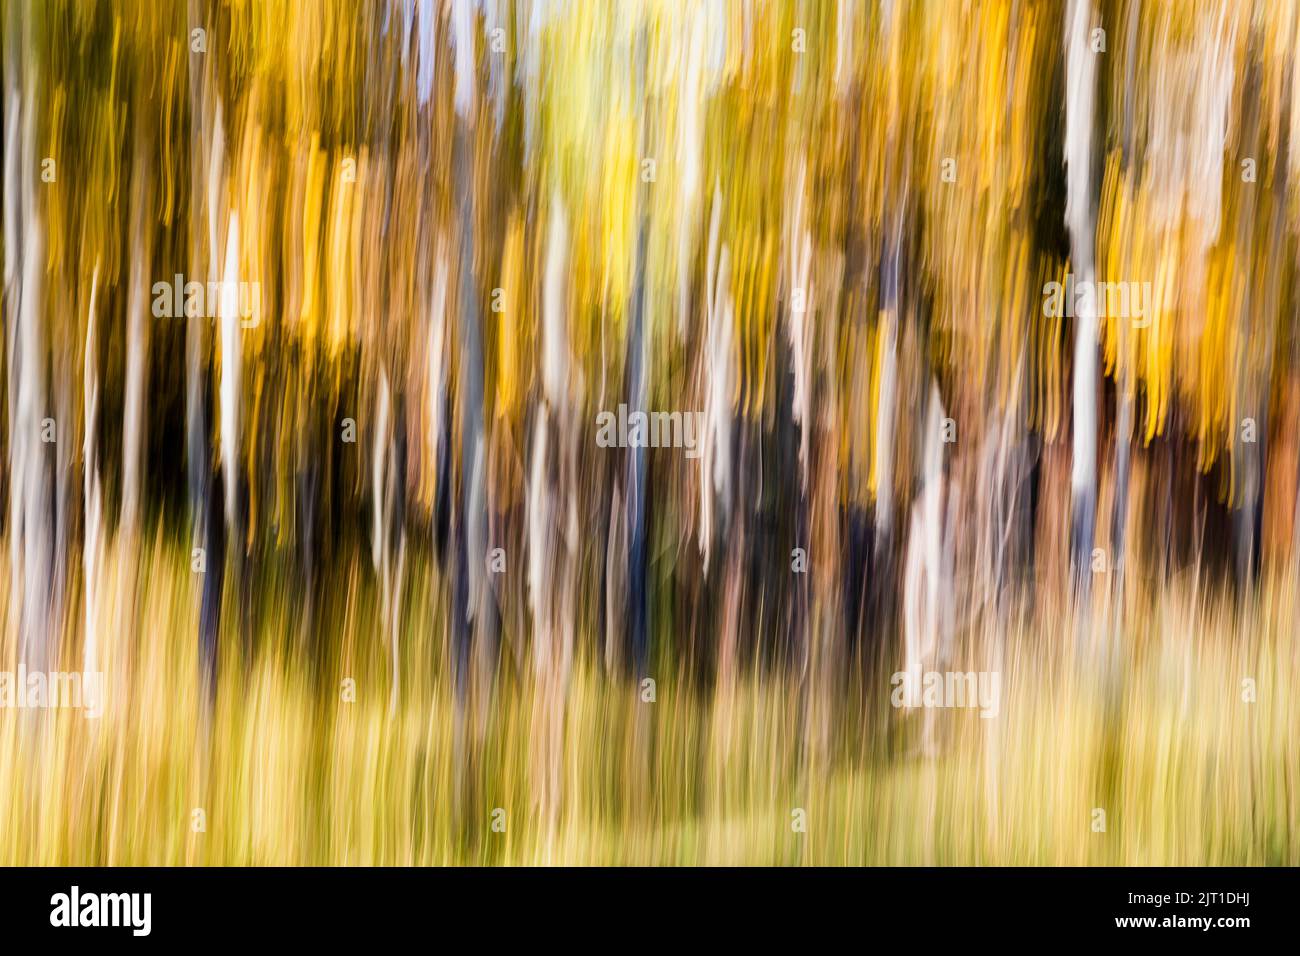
{"type": "Point", "coordinates": [290, 773]}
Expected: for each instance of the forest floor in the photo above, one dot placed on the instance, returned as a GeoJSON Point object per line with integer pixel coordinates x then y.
{"type": "Point", "coordinates": [1180, 744]}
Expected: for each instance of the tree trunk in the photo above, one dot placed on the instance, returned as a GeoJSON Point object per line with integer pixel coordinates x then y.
{"type": "Point", "coordinates": [1081, 73]}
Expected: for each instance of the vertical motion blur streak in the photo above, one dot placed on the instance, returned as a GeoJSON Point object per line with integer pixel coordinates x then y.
{"type": "Point", "coordinates": [641, 431]}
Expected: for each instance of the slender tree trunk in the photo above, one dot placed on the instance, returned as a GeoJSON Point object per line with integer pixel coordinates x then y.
{"type": "Point", "coordinates": [638, 374]}
{"type": "Point", "coordinates": [1081, 73]}
{"type": "Point", "coordinates": [135, 419]}
{"type": "Point", "coordinates": [30, 518]}
{"type": "Point", "coordinates": [92, 489]}
{"type": "Point", "coordinates": [205, 535]}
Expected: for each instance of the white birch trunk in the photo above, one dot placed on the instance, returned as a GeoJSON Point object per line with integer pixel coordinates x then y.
{"type": "Point", "coordinates": [92, 489]}
{"type": "Point", "coordinates": [1081, 83]}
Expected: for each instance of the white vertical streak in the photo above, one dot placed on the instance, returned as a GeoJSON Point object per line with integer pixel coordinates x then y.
{"type": "Point", "coordinates": [1081, 83]}
{"type": "Point", "coordinates": [230, 372]}
{"type": "Point", "coordinates": [92, 489]}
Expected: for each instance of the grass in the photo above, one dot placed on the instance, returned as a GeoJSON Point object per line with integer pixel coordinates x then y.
{"type": "Point", "coordinates": [1154, 732]}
